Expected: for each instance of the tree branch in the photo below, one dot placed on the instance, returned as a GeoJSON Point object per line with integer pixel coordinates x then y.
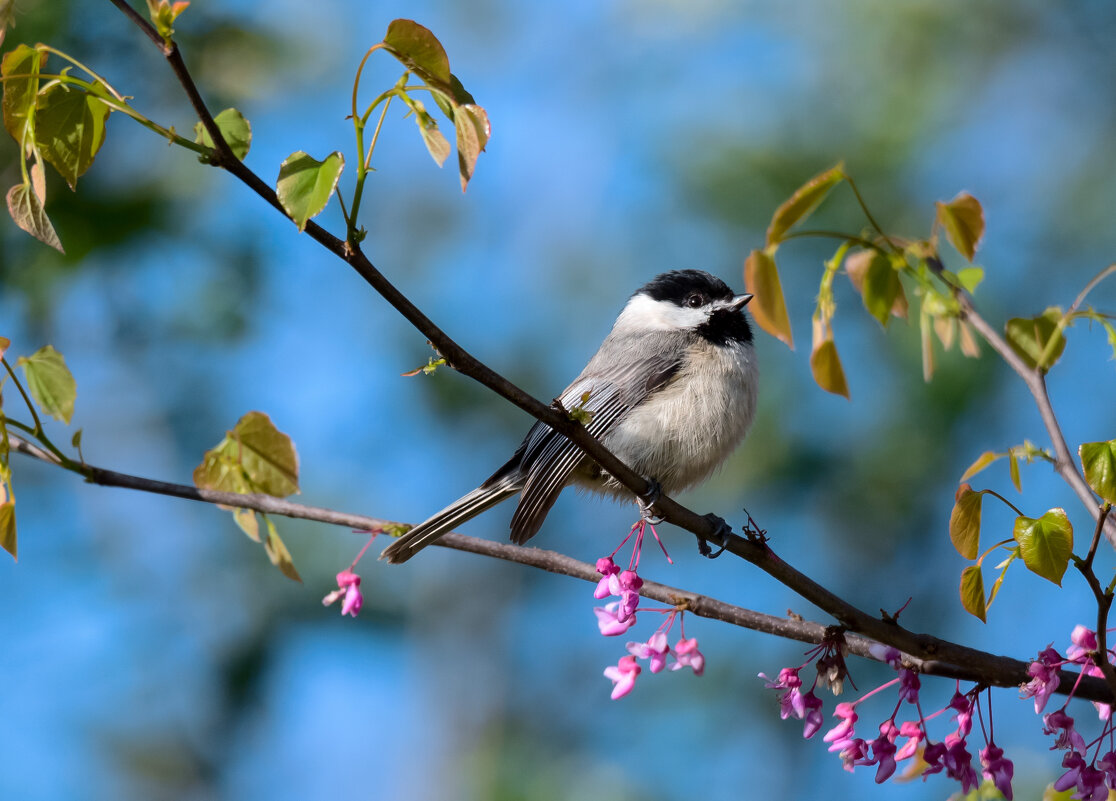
{"type": "Point", "coordinates": [930, 656]}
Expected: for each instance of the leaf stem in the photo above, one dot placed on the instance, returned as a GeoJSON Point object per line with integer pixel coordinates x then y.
{"type": "Point", "coordinates": [1014, 508]}
{"type": "Point", "coordinates": [38, 430]}
{"type": "Point", "coordinates": [868, 213]}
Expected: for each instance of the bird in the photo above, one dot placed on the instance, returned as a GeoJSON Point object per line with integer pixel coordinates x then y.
{"type": "Point", "coordinates": [671, 392]}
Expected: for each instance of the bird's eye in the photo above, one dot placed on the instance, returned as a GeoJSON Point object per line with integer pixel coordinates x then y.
{"type": "Point", "coordinates": [695, 301]}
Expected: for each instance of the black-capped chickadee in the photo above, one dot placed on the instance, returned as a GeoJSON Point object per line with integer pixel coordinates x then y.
{"type": "Point", "coordinates": [671, 392]}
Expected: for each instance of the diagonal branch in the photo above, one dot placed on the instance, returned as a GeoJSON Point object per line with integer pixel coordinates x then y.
{"type": "Point", "coordinates": [932, 657]}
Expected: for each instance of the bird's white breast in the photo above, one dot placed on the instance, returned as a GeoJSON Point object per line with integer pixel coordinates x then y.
{"type": "Point", "coordinates": [684, 431]}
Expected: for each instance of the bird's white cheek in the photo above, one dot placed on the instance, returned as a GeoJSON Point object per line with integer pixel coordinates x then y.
{"type": "Point", "coordinates": [643, 314]}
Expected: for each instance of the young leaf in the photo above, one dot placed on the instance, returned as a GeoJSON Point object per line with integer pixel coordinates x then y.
{"type": "Point", "coordinates": [163, 14]}
{"type": "Point", "coordinates": [1013, 470]}
{"type": "Point", "coordinates": [769, 308]}
{"type": "Point", "coordinates": [1046, 544]}
{"type": "Point", "coordinates": [249, 524]}
{"type": "Point", "coordinates": [305, 185]}
{"type": "Point", "coordinates": [19, 93]}
{"type": "Point", "coordinates": [878, 284]}
{"type": "Point", "coordinates": [825, 364]}
{"type": "Point", "coordinates": [254, 457]}
{"type": "Point", "coordinates": [926, 334]}
{"type": "Point", "coordinates": [964, 522]}
{"type": "Point", "coordinates": [1029, 337]}
{"type": "Point", "coordinates": [946, 329]}
{"type": "Point", "coordinates": [972, 592]}
{"type": "Point", "coordinates": [969, 346]}
{"type": "Point", "coordinates": [28, 213]}
{"type": "Point", "coordinates": [1099, 461]}
{"type": "Point", "coordinates": [5, 343]}
{"type": "Point", "coordinates": [803, 202]}
{"type": "Point", "coordinates": [858, 266]}
{"type": "Point", "coordinates": [436, 144]}
{"type": "Point", "coordinates": [8, 528]}
{"type": "Point", "coordinates": [458, 96]}
{"type": "Point", "coordinates": [970, 278]}
{"type": "Point", "coordinates": [418, 49]}
{"type": "Point", "coordinates": [235, 129]}
{"type": "Point", "coordinates": [963, 220]}
{"type": "Point", "coordinates": [278, 554]}
{"type": "Point", "coordinates": [473, 132]}
{"type": "Point", "coordinates": [69, 130]}
{"type": "Point", "coordinates": [985, 459]}
{"type": "Point", "coordinates": [50, 382]}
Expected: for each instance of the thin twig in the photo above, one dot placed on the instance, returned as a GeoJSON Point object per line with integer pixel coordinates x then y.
{"type": "Point", "coordinates": [944, 659]}
{"type": "Point", "coordinates": [1104, 602]}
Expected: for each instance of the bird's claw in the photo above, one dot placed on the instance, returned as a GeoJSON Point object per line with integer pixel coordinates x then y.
{"type": "Point", "coordinates": [648, 501]}
{"type": "Point", "coordinates": [723, 530]}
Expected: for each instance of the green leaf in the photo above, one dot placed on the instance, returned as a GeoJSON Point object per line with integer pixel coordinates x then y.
{"type": "Point", "coordinates": [1029, 337]}
{"type": "Point", "coordinates": [5, 343]}
{"type": "Point", "coordinates": [163, 14]}
{"type": "Point", "coordinates": [19, 93]}
{"type": "Point", "coordinates": [418, 49]}
{"type": "Point", "coordinates": [769, 308]}
{"type": "Point", "coordinates": [473, 132]}
{"type": "Point", "coordinates": [8, 528]}
{"type": "Point", "coordinates": [1013, 469]}
{"type": "Point", "coordinates": [970, 278]}
{"type": "Point", "coordinates": [879, 283]}
{"type": "Point", "coordinates": [1099, 461]}
{"type": "Point", "coordinates": [436, 144]}
{"type": "Point", "coordinates": [963, 220]}
{"type": "Point", "coordinates": [985, 459]}
{"type": "Point", "coordinates": [50, 382]}
{"type": "Point", "coordinates": [803, 202]}
{"type": "Point", "coordinates": [825, 365]}
{"type": "Point", "coordinates": [28, 213]}
{"type": "Point", "coordinates": [235, 129]}
{"type": "Point", "coordinates": [249, 524]}
{"type": "Point", "coordinates": [278, 554]}
{"type": "Point", "coordinates": [69, 130]}
{"type": "Point", "coordinates": [972, 592]}
{"type": "Point", "coordinates": [254, 457]}
{"type": "Point", "coordinates": [1046, 544]}
{"type": "Point", "coordinates": [458, 96]}
{"type": "Point", "coordinates": [964, 521]}
{"type": "Point", "coordinates": [305, 185]}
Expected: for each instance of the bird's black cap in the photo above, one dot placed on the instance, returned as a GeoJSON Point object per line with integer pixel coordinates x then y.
{"type": "Point", "coordinates": [678, 285]}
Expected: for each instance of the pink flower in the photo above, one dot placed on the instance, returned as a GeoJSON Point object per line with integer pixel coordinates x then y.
{"type": "Point", "coordinates": [908, 686]}
{"type": "Point", "coordinates": [1074, 763]}
{"type": "Point", "coordinates": [607, 568]}
{"type": "Point", "coordinates": [883, 754]}
{"type": "Point", "coordinates": [1068, 738]}
{"type": "Point", "coordinates": [686, 654]}
{"type": "Point", "coordinates": [959, 765]}
{"type": "Point", "coordinates": [1107, 763]}
{"type": "Point", "coordinates": [348, 585]}
{"type": "Point", "coordinates": [655, 649]}
{"type": "Point", "coordinates": [813, 718]}
{"type": "Point", "coordinates": [841, 735]}
{"type": "Point", "coordinates": [1044, 679]}
{"type": "Point", "coordinates": [914, 734]}
{"type": "Point", "coordinates": [1091, 786]}
{"type": "Point", "coordinates": [609, 622]}
{"type": "Point", "coordinates": [628, 585]}
{"type": "Point", "coordinates": [996, 768]}
{"type": "Point", "coordinates": [964, 706]}
{"type": "Point", "coordinates": [623, 676]}
{"type": "Point", "coordinates": [854, 753]}
{"type": "Point", "coordinates": [1084, 640]}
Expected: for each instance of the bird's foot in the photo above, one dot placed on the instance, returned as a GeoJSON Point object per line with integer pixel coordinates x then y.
{"type": "Point", "coordinates": [722, 532]}
{"type": "Point", "coordinates": [647, 503]}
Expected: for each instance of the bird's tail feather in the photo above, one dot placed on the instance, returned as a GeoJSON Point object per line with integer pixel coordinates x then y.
{"type": "Point", "coordinates": [443, 522]}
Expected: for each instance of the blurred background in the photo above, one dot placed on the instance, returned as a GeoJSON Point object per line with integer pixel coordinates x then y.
{"type": "Point", "coordinates": [149, 651]}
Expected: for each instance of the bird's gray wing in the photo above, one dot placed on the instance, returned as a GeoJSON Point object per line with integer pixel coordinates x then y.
{"type": "Point", "coordinates": [549, 458]}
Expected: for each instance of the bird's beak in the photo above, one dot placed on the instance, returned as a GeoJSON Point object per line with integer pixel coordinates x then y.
{"type": "Point", "coordinates": [740, 301]}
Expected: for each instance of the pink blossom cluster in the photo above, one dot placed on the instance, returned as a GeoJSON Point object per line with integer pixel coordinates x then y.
{"type": "Point", "coordinates": [616, 617]}
{"type": "Point", "coordinates": [896, 741]}
{"type": "Point", "coordinates": [1091, 777]}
